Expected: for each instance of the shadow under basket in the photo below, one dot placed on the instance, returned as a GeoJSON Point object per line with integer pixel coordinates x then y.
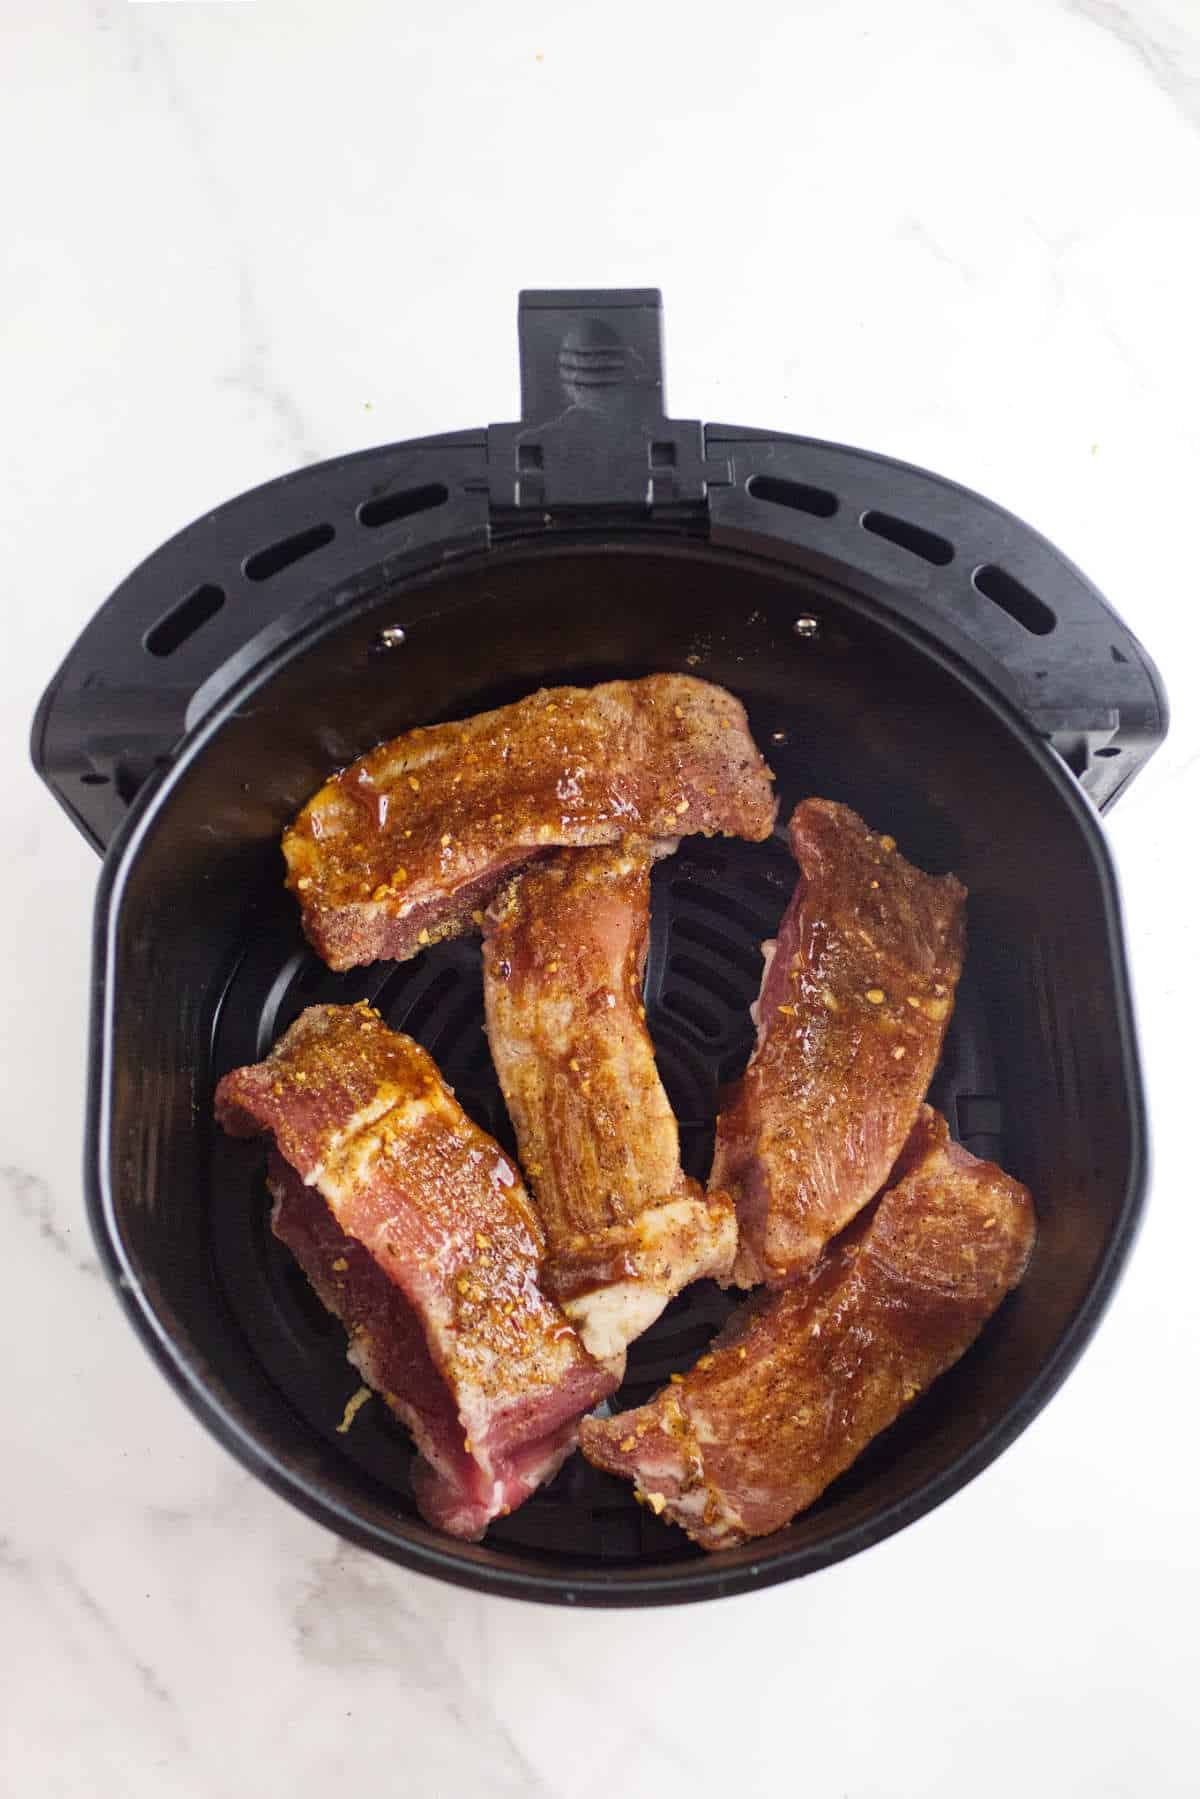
{"type": "Point", "coordinates": [874, 672]}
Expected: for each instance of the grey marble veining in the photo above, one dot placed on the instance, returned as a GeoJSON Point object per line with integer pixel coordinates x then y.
{"type": "Point", "coordinates": [27, 1197]}
{"type": "Point", "coordinates": [349, 1616]}
{"type": "Point", "coordinates": [1166, 48]}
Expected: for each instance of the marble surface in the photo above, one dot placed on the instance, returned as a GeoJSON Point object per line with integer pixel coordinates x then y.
{"type": "Point", "coordinates": [239, 237]}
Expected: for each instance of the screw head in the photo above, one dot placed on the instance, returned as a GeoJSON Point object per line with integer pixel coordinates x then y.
{"type": "Point", "coordinates": [390, 638]}
{"type": "Point", "coordinates": [806, 625]}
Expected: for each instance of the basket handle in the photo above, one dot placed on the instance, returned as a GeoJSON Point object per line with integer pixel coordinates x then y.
{"type": "Point", "coordinates": [593, 451]}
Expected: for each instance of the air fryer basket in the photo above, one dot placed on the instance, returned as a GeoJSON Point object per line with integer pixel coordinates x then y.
{"type": "Point", "coordinates": [846, 600]}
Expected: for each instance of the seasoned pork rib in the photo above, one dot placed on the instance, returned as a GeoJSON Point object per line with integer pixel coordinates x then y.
{"type": "Point", "coordinates": [563, 957]}
{"type": "Point", "coordinates": [388, 1348]}
{"type": "Point", "coordinates": [802, 1379]}
{"type": "Point", "coordinates": [408, 844]}
{"type": "Point", "coordinates": [856, 994]}
{"type": "Point", "coordinates": [445, 1250]}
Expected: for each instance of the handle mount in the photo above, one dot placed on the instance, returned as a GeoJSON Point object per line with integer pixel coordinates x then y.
{"type": "Point", "coordinates": [594, 451]}
{"type": "Point", "coordinates": [593, 431]}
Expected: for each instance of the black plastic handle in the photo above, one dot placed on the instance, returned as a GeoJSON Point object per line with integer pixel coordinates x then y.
{"type": "Point", "coordinates": [593, 449]}
{"type": "Point", "coordinates": [594, 438]}
{"type": "Point", "coordinates": [593, 431]}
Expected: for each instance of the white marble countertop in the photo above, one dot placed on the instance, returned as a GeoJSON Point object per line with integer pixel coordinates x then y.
{"type": "Point", "coordinates": [240, 237]}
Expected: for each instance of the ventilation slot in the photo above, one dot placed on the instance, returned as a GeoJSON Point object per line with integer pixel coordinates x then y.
{"type": "Point", "coordinates": [718, 944]}
{"type": "Point", "coordinates": [422, 1008]}
{"type": "Point", "coordinates": [278, 556]}
{"type": "Point", "coordinates": [1025, 607]}
{"type": "Point", "coordinates": [925, 544]}
{"type": "Point", "coordinates": [694, 1010]}
{"type": "Point", "coordinates": [979, 1115]}
{"type": "Point", "coordinates": [727, 910]}
{"type": "Point", "coordinates": [795, 494]}
{"type": "Point", "coordinates": [392, 506]}
{"type": "Point", "coordinates": [707, 978]}
{"type": "Point", "coordinates": [183, 620]}
{"type": "Point", "coordinates": [456, 1031]}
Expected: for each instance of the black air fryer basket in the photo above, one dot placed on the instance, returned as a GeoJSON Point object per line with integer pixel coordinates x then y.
{"type": "Point", "coordinates": [900, 644]}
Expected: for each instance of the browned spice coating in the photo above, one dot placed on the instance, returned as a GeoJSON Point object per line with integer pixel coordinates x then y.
{"type": "Point", "coordinates": [362, 1113]}
{"type": "Point", "coordinates": [803, 1378]}
{"type": "Point", "coordinates": [407, 845]}
{"type": "Point", "coordinates": [564, 954]}
{"type": "Point", "coordinates": [856, 995]}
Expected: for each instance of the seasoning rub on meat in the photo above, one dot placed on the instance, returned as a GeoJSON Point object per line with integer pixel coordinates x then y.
{"type": "Point", "coordinates": [407, 845]}
{"type": "Point", "coordinates": [803, 1378]}
{"type": "Point", "coordinates": [564, 955]}
{"type": "Point", "coordinates": [856, 994]}
{"type": "Point", "coordinates": [424, 1236]}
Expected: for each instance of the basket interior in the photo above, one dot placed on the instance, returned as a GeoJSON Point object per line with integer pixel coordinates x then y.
{"type": "Point", "coordinates": [208, 966]}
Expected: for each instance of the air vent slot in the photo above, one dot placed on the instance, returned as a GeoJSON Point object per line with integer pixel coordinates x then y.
{"type": "Point", "coordinates": [389, 507]}
{"type": "Point", "coordinates": [907, 536]}
{"type": "Point", "coordinates": [979, 1115]}
{"type": "Point", "coordinates": [1006, 592]}
{"type": "Point", "coordinates": [695, 1010]}
{"type": "Point", "coordinates": [278, 556]}
{"type": "Point", "coordinates": [183, 620]}
{"type": "Point", "coordinates": [796, 495]}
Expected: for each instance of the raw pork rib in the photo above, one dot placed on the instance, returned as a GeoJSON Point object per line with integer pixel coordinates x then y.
{"type": "Point", "coordinates": [856, 994]}
{"type": "Point", "coordinates": [563, 957]}
{"type": "Point", "coordinates": [801, 1379]}
{"type": "Point", "coordinates": [409, 843]}
{"type": "Point", "coordinates": [446, 1248]}
{"type": "Point", "coordinates": [388, 1347]}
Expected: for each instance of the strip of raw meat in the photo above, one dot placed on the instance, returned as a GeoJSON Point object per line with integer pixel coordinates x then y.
{"type": "Point", "coordinates": [802, 1379]}
{"type": "Point", "coordinates": [407, 845]}
{"type": "Point", "coordinates": [563, 957]}
{"type": "Point", "coordinates": [387, 1346]}
{"type": "Point", "coordinates": [856, 994]}
{"type": "Point", "coordinates": [439, 1213]}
